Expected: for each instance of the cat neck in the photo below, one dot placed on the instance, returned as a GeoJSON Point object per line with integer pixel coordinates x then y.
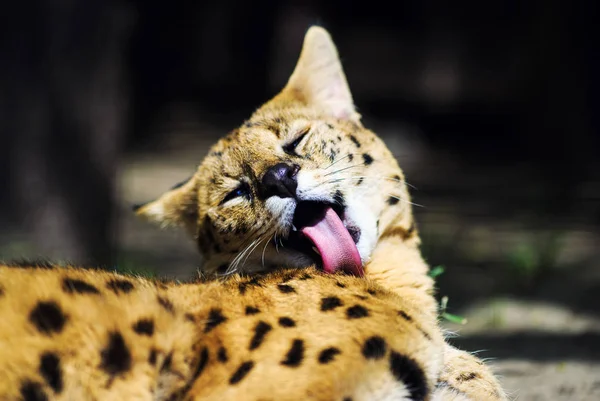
{"type": "Point", "coordinates": [397, 264]}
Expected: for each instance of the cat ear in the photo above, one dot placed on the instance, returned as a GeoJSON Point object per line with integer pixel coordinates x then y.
{"type": "Point", "coordinates": [176, 207]}
{"type": "Point", "coordinates": [318, 79]}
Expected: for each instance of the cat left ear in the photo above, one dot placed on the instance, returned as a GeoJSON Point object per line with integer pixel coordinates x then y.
{"type": "Point", "coordinates": [176, 207]}
{"type": "Point", "coordinates": [319, 80]}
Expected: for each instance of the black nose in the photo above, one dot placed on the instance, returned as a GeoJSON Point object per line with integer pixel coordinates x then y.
{"type": "Point", "coordinates": [280, 180]}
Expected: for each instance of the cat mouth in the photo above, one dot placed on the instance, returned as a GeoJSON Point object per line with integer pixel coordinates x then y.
{"type": "Point", "coordinates": [321, 231]}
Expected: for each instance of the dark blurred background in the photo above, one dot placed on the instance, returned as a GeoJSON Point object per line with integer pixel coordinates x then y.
{"type": "Point", "coordinates": [491, 108]}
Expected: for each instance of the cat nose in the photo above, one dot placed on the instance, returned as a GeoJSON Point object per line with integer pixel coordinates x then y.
{"type": "Point", "coordinates": [280, 180]}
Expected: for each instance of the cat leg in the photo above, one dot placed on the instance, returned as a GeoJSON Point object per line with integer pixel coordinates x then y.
{"type": "Point", "coordinates": [466, 378]}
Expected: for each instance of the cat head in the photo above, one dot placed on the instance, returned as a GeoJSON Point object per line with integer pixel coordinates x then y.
{"type": "Point", "coordinates": [300, 183]}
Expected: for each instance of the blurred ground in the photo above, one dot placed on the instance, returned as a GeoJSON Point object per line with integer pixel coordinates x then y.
{"type": "Point", "coordinates": [529, 287]}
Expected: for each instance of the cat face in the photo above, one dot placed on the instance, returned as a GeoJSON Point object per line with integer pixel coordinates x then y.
{"type": "Point", "coordinates": [300, 183]}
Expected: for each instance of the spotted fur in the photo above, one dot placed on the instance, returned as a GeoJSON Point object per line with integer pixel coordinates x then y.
{"type": "Point", "coordinates": [56, 344]}
{"type": "Point", "coordinates": [312, 124]}
{"type": "Point", "coordinates": [270, 333]}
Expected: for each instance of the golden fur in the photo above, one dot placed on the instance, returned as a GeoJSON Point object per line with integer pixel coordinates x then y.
{"type": "Point", "coordinates": [273, 333]}
{"type": "Point", "coordinates": [347, 333]}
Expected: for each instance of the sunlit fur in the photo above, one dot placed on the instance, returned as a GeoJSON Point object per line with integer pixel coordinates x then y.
{"type": "Point", "coordinates": [336, 156]}
{"type": "Point", "coordinates": [299, 334]}
{"type": "Point", "coordinates": [84, 334]}
{"type": "Point", "coordinates": [338, 159]}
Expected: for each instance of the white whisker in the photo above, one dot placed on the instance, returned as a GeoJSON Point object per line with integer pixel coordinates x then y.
{"type": "Point", "coordinates": [236, 261]}
{"type": "Point", "coordinates": [263, 253]}
{"type": "Point", "coordinates": [401, 199]}
{"type": "Point", "coordinates": [338, 160]}
{"type": "Point", "coordinates": [253, 249]}
{"type": "Point", "coordinates": [343, 169]}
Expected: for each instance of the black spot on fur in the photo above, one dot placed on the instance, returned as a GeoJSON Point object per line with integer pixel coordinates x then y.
{"type": "Point", "coordinates": [222, 355]}
{"type": "Point", "coordinates": [285, 288]}
{"type": "Point", "coordinates": [274, 128]}
{"type": "Point", "coordinates": [241, 372]}
{"type": "Point", "coordinates": [152, 357]}
{"type": "Point", "coordinates": [341, 285]}
{"type": "Point", "coordinates": [201, 364]}
{"type": "Point", "coordinates": [251, 310]}
{"type": "Point", "coordinates": [115, 357]}
{"type": "Point", "coordinates": [392, 200]}
{"type": "Point", "coordinates": [242, 228]}
{"type": "Point", "coordinates": [338, 198]}
{"type": "Point", "coordinates": [305, 276]}
{"type": "Point", "coordinates": [120, 285]}
{"type": "Point", "coordinates": [73, 285]}
{"type": "Point", "coordinates": [287, 277]}
{"type": "Point", "coordinates": [371, 291]}
{"type": "Point", "coordinates": [166, 304]}
{"type": "Point", "coordinates": [51, 371]}
{"type": "Point", "coordinates": [166, 365]}
{"type": "Point", "coordinates": [361, 297]}
{"type": "Point", "coordinates": [353, 139]}
{"type": "Point", "coordinates": [295, 354]}
{"type": "Point", "coordinates": [356, 312]}
{"type": "Point", "coordinates": [286, 322]}
{"type": "Point", "coordinates": [360, 181]}
{"type": "Point", "coordinates": [253, 282]}
{"type": "Point", "coordinates": [396, 178]}
{"type": "Point", "coordinates": [350, 157]}
{"type": "Point", "coordinates": [32, 391]}
{"type": "Point", "coordinates": [465, 377]}
{"type": "Point", "coordinates": [332, 155]}
{"type": "Point", "coordinates": [190, 318]}
{"type": "Point", "coordinates": [347, 399]}
{"type": "Point", "coordinates": [260, 331]}
{"type": "Point", "coordinates": [425, 334]}
{"type": "Point", "coordinates": [328, 355]}
{"type": "Point", "coordinates": [144, 327]}
{"type": "Point", "coordinates": [48, 317]}
{"type": "Point", "coordinates": [215, 318]}
{"type": "Point", "coordinates": [374, 348]}
{"type": "Point", "coordinates": [330, 303]}
{"type": "Point", "coordinates": [405, 315]}
{"type": "Point", "coordinates": [367, 158]}
{"type": "Point", "coordinates": [407, 371]}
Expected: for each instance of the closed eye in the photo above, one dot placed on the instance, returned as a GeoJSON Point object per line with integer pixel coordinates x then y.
{"type": "Point", "coordinates": [241, 190]}
{"type": "Point", "coordinates": [290, 148]}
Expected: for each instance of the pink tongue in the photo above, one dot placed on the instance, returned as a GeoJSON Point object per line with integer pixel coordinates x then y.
{"type": "Point", "coordinates": [335, 244]}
